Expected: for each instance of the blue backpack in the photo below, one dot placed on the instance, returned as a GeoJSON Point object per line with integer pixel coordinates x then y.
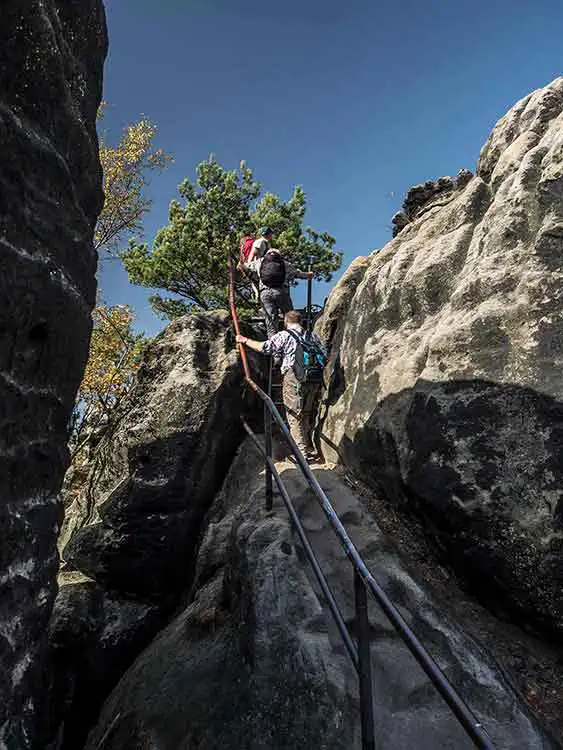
{"type": "Point", "coordinates": [309, 359]}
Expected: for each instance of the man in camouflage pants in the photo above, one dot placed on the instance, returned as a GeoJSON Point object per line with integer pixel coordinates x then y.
{"type": "Point", "coordinates": [275, 274]}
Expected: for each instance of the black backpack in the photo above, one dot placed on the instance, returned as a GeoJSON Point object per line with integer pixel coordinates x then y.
{"type": "Point", "coordinates": [272, 271]}
{"type": "Point", "coordinates": [309, 360]}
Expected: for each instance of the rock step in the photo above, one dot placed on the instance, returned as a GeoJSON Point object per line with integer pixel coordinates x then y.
{"type": "Point", "coordinates": [409, 712]}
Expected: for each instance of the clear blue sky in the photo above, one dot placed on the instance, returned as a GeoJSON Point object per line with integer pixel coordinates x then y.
{"type": "Point", "coordinates": [356, 101]}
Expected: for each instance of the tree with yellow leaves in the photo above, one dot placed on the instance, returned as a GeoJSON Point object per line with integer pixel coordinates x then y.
{"type": "Point", "coordinates": [115, 351]}
{"type": "Point", "coordinates": [126, 167]}
{"type": "Point", "coordinates": [114, 358]}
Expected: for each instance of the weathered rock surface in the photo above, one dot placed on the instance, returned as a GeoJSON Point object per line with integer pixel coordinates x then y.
{"type": "Point", "coordinates": [51, 58]}
{"type": "Point", "coordinates": [156, 472]}
{"type": "Point", "coordinates": [339, 300]}
{"type": "Point", "coordinates": [254, 662]}
{"type": "Point", "coordinates": [450, 369]}
{"type": "Point", "coordinates": [95, 636]}
{"type": "Point", "coordinates": [432, 194]}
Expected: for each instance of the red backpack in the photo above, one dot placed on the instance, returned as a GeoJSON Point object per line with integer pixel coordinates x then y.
{"type": "Point", "coordinates": [245, 248]}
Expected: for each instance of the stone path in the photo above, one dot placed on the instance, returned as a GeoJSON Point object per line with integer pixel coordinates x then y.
{"type": "Point", "coordinates": [409, 712]}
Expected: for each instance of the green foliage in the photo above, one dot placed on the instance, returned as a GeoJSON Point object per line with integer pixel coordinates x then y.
{"type": "Point", "coordinates": [114, 358]}
{"type": "Point", "coordinates": [189, 255]}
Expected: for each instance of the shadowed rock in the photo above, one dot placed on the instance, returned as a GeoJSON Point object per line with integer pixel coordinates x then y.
{"type": "Point", "coordinates": [255, 661]}
{"type": "Point", "coordinates": [95, 635]}
{"type": "Point", "coordinates": [51, 58]}
{"type": "Point", "coordinates": [155, 473]}
{"type": "Point", "coordinates": [136, 515]}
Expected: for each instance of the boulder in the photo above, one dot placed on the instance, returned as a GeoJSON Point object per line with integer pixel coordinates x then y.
{"type": "Point", "coordinates": [450, 393]}
{"type": "Point", "coordinates": [155, 472]}
{"type": "Point", "coordinates": [51, 60]}
{"type": "Point", "coordinates": [254, 661]}
{"type": "Point", "coordinates": [432, 194]}
{"type": "Point", "coordinates": [94, 636]}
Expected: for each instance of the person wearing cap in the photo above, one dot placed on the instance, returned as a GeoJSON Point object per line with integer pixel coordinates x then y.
{"type": "Point", "coordinates": [261, 246]}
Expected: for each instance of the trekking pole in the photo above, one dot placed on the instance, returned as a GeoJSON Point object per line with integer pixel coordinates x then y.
{"type": "Point", "coordinates": [309, 296]}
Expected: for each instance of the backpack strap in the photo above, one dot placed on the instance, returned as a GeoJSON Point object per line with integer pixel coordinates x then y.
{"type": "Point", "coordinates": [307, 340]}
{"type": "Point", "coordinates": [295, 336]}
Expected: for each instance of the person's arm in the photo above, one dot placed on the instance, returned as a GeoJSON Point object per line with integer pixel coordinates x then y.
{"type": "Point", "coordinates": [295, 273]}
{"type": "Point", "coordinates": [257, 346]}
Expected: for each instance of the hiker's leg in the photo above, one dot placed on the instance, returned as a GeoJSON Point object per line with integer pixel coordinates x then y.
{"type": "Point", "coordinates": [270, 310]}
{"type": "Point", "coordinates": [284, 300]}
{"type": "Point", "coordinates": [292, 400]}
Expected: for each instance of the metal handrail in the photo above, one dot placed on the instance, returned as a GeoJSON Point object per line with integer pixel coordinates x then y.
{"type": "Point", "coordinates": [459, 708]}
{"type": "Point", "coordinates": [323, 583]}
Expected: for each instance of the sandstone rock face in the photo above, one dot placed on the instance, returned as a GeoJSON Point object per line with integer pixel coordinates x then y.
{"type": "Point", "coordinates": [432, 194]}
{"type": "Point", "coordinates": [94, 635]}
{"type": "Point", "coordinates": [136, 516]}
{"type": "Point", "coordinates": [254, 662]}
{"type": "Point", "coordinates": [329, 327]}
{"type": "Point", "coordinates": [154, 475]}
{"type": "Point", "coordinates": [51, 58]}
{"type": "Point", "coordinates": [340, 299]}
{"type": "Point", "coordinates": [450, 368]}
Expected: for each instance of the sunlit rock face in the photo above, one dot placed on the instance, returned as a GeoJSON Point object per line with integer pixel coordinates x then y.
{"type": "Point", "coordinates": [51, 58]}
{"type": "Point", "coordinates": [447, 377]}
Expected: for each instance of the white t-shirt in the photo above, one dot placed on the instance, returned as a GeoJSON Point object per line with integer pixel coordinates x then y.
{"type": "Point", "coordinates": [261, 247]}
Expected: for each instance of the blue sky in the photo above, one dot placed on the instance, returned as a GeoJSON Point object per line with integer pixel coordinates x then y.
{"type": "Point", "coordinates": [356, 101]}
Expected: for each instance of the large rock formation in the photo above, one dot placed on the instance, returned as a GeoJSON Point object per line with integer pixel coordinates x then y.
{"type": "Point", "coordinates": [136, 518]}
{"type": "Point", "coordinates": [450, 374]}
{"type": "Point", "coordinates": [157, 470]}
{"type": "Point", "coordinates": [51, 58]}
{"type": "Point", "coordinates": [254, 662]}
{"type": "Point", "coordinates": [95, 635]}
{"type": "Point", "coordinates": [421, 374]}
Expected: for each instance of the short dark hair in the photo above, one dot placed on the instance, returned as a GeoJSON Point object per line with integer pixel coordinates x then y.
{"type": "Point", "coordinates": [293, 316]}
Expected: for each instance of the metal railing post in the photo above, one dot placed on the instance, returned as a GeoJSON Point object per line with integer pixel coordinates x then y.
{"type": "Point", "coordinates": [268, 442]}
{"type": "Point", "coordinates": [364, 659]}
{"type": "Point", "coordinates": [309, 298]}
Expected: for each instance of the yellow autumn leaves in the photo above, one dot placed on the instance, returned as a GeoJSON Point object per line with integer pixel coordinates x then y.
{"type": "Point", "coordinates": [115, 351]}
{"type": "Point", "coordinates": [114, 358]}
{"type": "Point", "coordinates": [126, 167]}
